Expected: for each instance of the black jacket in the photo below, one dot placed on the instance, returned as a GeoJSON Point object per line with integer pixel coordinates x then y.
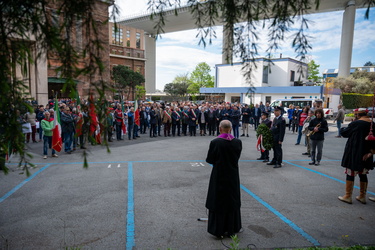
{"type": "Point", "coordinates": [356, 146]}
{"type": "Point", "coordinates": [235, 117]}
{"type": "Point", "coordinates": [322, 129]}
{"type": "Point", "coordinates": [278, 129]}
{"type": "Point", "coordinates": [67, 122]}
{"type": "Point", "coordinates": [246, 117]}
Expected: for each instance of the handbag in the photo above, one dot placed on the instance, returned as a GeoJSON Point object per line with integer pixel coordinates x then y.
{"type": "Point", "coordinates": [26, 128]}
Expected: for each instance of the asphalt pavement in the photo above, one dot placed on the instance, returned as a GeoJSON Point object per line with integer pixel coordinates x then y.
{"type": "Point", "coordinates": [149, 194]}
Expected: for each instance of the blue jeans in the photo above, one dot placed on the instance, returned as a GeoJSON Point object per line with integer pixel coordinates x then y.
{"type": "Point", "coordinates": [130, 131]}
{"type": "Point", "coordinates": [68, 139]}
{"type": "Point", "coordinates": [338, 122]}
{"type": "Point", "coordinates": [299, 134]}
{"type": "Point", "coordinates": [47, 143]}
{"type": "Point", "coordinates": [236, 132]}
{"type": "Point", "coordinates": [136, 128]}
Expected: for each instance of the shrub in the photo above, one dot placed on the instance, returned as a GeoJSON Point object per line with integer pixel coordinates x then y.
{"type": "Point", "coordinates": [354, 100]}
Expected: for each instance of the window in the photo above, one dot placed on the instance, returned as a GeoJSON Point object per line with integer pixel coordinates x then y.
{"type": "Point", "coordinates": [138, 40]}
{"type": "Point", "coordinates": [234, 99]}
{"type": "Point", "coordinates": [128, 38]}
{"type": "Point", "coordinates": [265, 74]}
{"type": "Point", "coordinates": [268, 99]}
{"type": "Point", "coordinates": [292, 75]}
{"type": "Point", "coordinates": [116, 35]}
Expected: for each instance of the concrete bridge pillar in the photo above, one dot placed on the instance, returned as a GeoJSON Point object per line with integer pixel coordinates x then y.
{"type": "Point", "coordinates": [347, 35]}
{"type": "Point", "coordinates": [150, 65]}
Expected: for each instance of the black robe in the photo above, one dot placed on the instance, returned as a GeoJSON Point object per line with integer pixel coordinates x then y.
{"type": "Point", "coordinates": [224, 198]}
{"type": "Point", "coordinates": [356, 146]}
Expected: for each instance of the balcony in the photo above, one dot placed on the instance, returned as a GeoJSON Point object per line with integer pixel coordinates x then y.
{"type": "Point", "coordinates": [127, 52]}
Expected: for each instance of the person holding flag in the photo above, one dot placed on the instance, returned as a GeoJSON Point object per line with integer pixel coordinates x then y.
{"type": "Point", "coordinates": [137, 118]}
{"type": "Point", "coordinates": [46, 124]}
{"type": "Point", "coordinates": [57, 130]}
{"type": "Point", "coordinates": [95, 130]}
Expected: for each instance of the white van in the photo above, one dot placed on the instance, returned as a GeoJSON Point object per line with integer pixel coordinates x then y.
{"type": "Point", "coordinates": [328, 112]}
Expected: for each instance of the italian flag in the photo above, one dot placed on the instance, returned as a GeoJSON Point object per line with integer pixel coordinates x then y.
{"type": "Point", "coordinates": [123, 127]}
{"type": "Point", "coordinates": [260, 144]}
{"type": "Point", "coordinates": [56, 136]}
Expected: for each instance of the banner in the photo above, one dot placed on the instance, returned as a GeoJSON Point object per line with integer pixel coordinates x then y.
{"type": "Point", "coordinates": [56, 132]}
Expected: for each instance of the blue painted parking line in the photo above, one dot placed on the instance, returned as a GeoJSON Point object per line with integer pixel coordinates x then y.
{"type": "Point", "coordinates": [283, 218]}
{"type": "Point", "coordinates": [130, 233]}
{"type": "Point", "coordinates": [322, 174]}
{"type": "Point", "coordinates": [23, 183]}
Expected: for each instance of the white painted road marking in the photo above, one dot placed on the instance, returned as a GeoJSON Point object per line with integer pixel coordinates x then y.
{"type": "Point", "coordinates": [196, 164]}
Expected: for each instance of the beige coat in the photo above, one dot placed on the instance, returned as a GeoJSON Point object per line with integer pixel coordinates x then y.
{"type": "Point", "coordinates": [165, 118]}
{"type": "Point", "coordinates": [30, 118]}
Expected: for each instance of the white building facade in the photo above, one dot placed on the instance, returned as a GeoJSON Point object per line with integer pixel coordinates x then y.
{"type": "Point", "coordinates": [280, 78]}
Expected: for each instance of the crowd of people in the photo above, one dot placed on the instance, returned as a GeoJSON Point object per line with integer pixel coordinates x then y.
{"type": "Point", "coordinates": [127, 120]}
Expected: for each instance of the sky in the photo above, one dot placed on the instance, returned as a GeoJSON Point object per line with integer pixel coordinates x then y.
{"type": "Point", "coordinates": [178, 53]}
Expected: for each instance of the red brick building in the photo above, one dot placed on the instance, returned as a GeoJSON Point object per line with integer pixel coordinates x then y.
{"type": "Point", "coordinates": [79, 39]}
{"type": "Point", "coordinates": [127, 48]}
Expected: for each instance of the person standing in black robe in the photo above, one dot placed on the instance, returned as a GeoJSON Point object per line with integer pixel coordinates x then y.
{"type": "Point", "coordinates": [224, 198]}
{"type": "Point", "coordinates": [358, 156]}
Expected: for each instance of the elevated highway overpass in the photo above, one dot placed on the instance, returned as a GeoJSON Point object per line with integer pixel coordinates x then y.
{"type": "Point", "coordinates": [185, 21]}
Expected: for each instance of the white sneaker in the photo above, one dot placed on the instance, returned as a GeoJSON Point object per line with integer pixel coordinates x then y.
{"type": "Point", "coordinates": [45, 157]}
{"type": "Point", "coordinates": [55, 155]}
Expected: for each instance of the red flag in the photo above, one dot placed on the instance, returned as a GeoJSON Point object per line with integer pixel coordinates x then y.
{"type": "Point", "coordinates": [136, 114]}
{"type": "Point", "coordinates": [260, 144]}
{"type": "Point", "coordinates": [123, 127]}
{"type": "Point", "coordinates": [56, 132]}
{"type": "Point", "coordinates": [94, 122]}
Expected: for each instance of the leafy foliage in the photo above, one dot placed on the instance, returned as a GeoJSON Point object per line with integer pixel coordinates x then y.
{"type": "Point", "coordinates": [354, 100]}
{"type": "Point", "coordinates": [179, 86]}
{"type": "Point", "coordinates": [126, 78]}
{"type": "Point", "coordinates": [361, 82]}
{"type": "Point", "coordinates": [369, 63]}
{"type": "Point", "coordinates": [200, 78]}
{"type": "Point", "coordinates": [140, 92]}
{"type": "Point", "coordinates": [267, 135]}
{"type": "Point", "coordinates": [313, 71]}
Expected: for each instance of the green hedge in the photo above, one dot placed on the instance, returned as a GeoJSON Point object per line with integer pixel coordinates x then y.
{"type": "Point", "coordinates": [354, 100]}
